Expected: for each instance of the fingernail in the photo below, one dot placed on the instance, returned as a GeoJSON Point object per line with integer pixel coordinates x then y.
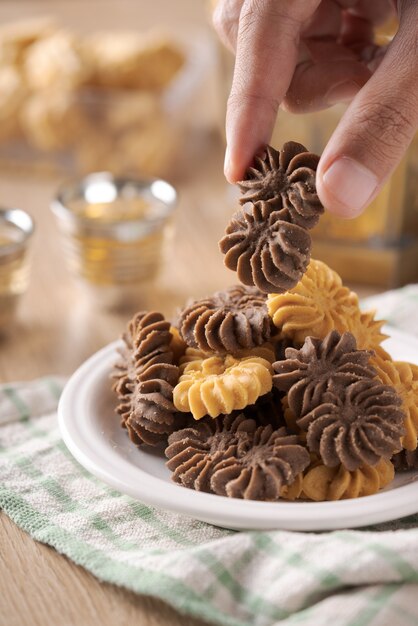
{"type": "Point", "coordinates": [343, 92]}
{"type": "Point", "coordinates": [350, 184]}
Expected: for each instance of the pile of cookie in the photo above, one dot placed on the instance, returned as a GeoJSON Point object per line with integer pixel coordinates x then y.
{"type": "Point", "coordinates": [98, 95]}
{"type": "Point", "coordinates": [277, 388]}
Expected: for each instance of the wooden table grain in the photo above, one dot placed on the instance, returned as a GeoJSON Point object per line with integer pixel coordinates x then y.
{"type": "Point", "coordinates": [57, 330]}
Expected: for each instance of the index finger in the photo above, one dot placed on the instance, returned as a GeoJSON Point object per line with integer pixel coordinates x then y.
{"type": "Point", "coordinates": [267, 52]}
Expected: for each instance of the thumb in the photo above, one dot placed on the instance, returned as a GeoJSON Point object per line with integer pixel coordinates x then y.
{"type": "Point", "coordinates": [376, 129]}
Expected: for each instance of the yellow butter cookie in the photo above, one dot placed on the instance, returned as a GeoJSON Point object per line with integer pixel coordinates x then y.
{"type": "Point", "coordinates": [404, 378]}
{"type": "Point", "coordinates": [368, 332]}
{"type": "Point", "coordinates": [336, 483]}
{"type": "Point", "coordinates": [317, 305]}
{"type": "Point", "coordinates": [221, 384]}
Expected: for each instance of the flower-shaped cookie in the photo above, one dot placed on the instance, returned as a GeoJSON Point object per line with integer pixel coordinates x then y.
{"type": "Point", "coordinates": [336, 483]}
{"type": "Point", "coordinates": [403, 377]}
{"type": "Point", "coordinates": [235, 457]}
{"type": "Point", "coordinates": [146, 342]}
{"type": "Point", "coordinates": [368, 332]}
{"type": "Point", "coordinates": [285, 180]}
{"type": "Point", "coordinates": [219, 385]}
{"type": "Point", "coordinates": [355, 426]}
{"type": "Point", "coordinates": [151, 336]}
{"type": "Point", "coordinates": [320, 364]}
{"type": "Point", "coordinates": [151, 415]}
{"type": "Point", "coordinates": [318, 304]}
{"type": "Point", "coordinates": [264, 249]}
{"type": "Point", "coordinates": [145, 376]}
{"type": "Point", "coordinates": [195, 452]}
{"type": "Point", "coordinates": [227, 322]}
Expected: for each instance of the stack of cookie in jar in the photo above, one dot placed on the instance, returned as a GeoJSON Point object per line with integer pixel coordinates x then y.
{"type": "Point", "coordinates": [279, 387]}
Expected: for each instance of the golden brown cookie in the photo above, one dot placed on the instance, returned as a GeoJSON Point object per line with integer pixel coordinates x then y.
{"type": "Point", "coordinates": [317, 305]}
{"type": "Point", "coordinates": [219, 385]}
{"type": "Point", "coordinates": [368, 332]}
{"type": "Point", "coordinates": [403, 377]}
{"type": "Point", "coordinates": [336, 483]}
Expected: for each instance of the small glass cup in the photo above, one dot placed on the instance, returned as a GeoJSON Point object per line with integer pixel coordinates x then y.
{"type": "Point", "coordinates": [16, 228]}
{"type": "Point", "coordinates": [114, 233]}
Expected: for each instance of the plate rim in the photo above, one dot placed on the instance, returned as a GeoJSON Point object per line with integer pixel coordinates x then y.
{"type": "Point", "coordinates": [234, 513]}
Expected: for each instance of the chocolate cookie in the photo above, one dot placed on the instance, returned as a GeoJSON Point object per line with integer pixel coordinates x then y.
{"type": "Point", "coordinates": [235, 457]}
{"type": "Point", "coordinates": [228, 321]}
{"type": "Point", "coordinates": [267, 243]}
{"type": "Point", "coordinates": [285, 180]}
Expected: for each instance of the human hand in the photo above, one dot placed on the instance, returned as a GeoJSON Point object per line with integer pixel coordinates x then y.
{"type": "Point", "coordinates": [304, 55]}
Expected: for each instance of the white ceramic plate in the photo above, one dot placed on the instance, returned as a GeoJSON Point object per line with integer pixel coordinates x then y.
{"type": "Point", "coordinates": [92, 433]}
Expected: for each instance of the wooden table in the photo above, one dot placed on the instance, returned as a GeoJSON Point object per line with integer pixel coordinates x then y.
{"type": "Point", "coordinates": [55, 333]}
{"type": "Point", "coordinates": [57, 330]}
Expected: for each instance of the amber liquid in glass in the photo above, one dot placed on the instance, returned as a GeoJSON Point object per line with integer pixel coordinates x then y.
{"type": "Point", "coordinates": [117, 243]}
{"type": "Point", "coordinates": [14, 271]}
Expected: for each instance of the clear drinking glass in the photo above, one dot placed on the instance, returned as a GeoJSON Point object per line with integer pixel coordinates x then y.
{"type": "Point", "coordinates": [16, 228]}
{"type": "Point", "coordinates": [114, 232]}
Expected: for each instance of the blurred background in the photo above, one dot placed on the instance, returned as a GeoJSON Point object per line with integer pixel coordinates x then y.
{"type": "Point", "coordinates": [104, 85]}
{"type": "Point", "coordinates": [138, 90]}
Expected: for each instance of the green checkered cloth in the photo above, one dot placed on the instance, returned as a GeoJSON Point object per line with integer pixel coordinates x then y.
{"type": "Point", "coordinates": [349, 578]}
